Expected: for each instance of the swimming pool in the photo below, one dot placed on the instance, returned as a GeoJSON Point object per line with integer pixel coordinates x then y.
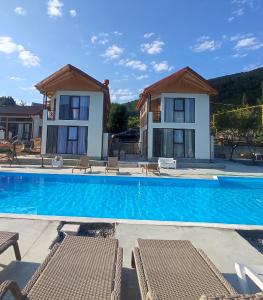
{"type": "Point", "coordinates": [226, 200]}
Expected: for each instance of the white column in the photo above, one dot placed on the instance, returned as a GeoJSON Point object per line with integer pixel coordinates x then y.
{"type": "Point", "coordinates": [44, 132]}
{"type": "Point", "coordinates": [37, 124]}
{"type": "Point", "coordinates": [150, 135]}
{"type": "Point", "coordinates": [162, 108]}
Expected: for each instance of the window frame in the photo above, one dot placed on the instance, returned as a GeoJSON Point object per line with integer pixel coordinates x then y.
{"type": "Point", "coordinates": [180, 110]}
{"type": "Point", "coordinates": [71, 108]}
{"type": "Point", "coordinates": [72, 140]}
{"type": "Point", "coordinates": [177, 143]}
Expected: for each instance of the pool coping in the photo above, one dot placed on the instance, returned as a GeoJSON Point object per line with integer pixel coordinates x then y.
{"type": "Point", "coordinates": [132, 221]}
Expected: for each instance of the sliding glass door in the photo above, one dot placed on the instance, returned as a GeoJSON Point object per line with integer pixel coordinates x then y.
{"type": "Point", "coordinates": [67, 140]}
{"type": "Point", "coordinates": [176, 143]}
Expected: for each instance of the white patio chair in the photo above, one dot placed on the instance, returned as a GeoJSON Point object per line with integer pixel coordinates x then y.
{"type": "Point", "coordinates": [57, 162]}
{"type": "Point", "coordinates": [255, 273]}
{"type": "Point", "coordinates": [167, 163]}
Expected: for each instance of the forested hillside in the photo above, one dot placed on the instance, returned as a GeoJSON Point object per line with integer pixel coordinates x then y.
{"type": "Point", "coordinates": [234, 90]}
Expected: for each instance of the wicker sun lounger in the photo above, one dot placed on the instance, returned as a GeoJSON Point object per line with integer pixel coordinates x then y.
{"type": "Point", "coordinates": [112, 165]}
{"type": "Point", "coordinates": [83, 164]}
{"type": "Point", "coordinates": [176, 270]}
{"type": "Point", "coordinates": [77, 269]}
{"type": "Point", "coordinates": [8, 239]}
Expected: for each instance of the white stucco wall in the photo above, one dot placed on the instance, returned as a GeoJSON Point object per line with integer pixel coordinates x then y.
{"type": "Point", "coordinates": [95, 122]}
{"type": "Point", "coordinates": [201, 125]}
{"type": "Point", "coordinates": [37, 123]}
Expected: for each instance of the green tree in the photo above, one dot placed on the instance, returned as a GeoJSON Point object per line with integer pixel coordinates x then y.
{"type": "Point", "coordinates": [7, 100]}
{"type": "Point", "coordinates": [117, 118]}
{"type": "Point", "coordinates": [133, 121]}
{"type": "Point", "coordinates": [260, 99]}
{"type": "Point", "coordinates": [239, 126]}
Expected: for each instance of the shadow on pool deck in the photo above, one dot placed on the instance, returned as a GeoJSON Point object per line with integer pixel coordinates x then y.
{"type": "Point", "coordinates": [19, 271]}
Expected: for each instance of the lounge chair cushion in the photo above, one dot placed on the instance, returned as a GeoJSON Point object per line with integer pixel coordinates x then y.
{"type": "Point", "coordinates": [257, 296]}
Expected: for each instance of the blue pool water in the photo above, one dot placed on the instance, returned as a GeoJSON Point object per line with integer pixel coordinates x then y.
{"type": "Point", "coordinates": [226, 200]}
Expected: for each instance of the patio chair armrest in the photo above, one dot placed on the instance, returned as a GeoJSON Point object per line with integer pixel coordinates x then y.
{"type": "Point", "coordinates": [10, 286]}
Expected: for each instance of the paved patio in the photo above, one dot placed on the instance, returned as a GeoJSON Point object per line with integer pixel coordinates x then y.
{"type": "Point", "coordinates": [224, 247]}
{"type": "Point", "coordinates": [231, 169]}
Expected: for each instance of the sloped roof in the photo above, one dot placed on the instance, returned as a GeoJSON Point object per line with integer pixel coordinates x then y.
{"type": "Point", "coordinates": [70, 78]}
{"type": "Point", "coordinates": [17, 110]}
{"type": "Point", "coordinates": [185, 80]}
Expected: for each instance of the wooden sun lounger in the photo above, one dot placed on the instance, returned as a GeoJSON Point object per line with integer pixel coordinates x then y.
{"type": "Point", "coordinates": [79, 268]}
{"type": "Point", "coordinates": [112, 165]}
{"type": "Point", "coordinates": [176, 270]}
{"type": "Point", "coordinates": [83, 164]}
{"type": "Point", "coordinates": [8, 239]}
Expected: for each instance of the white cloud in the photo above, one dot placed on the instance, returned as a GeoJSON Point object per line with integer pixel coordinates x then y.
{"type": "Point", "coordinates": [205, 43]}
{"type": "Point", "coordinates": [252, 67]}
{"type": "Point", "coordinates": [19, 10]}
{"type": "Point", "coordinates": [147, 35]}
{"type": "Point", "coordinates": [153, 48]}
{"type": "Point", "coordinates": [54, 8]}
{"type": "Point", "coordinates": [122, 95]}
{"type": "Point", "coordinates": [113, 52]}
{"type": "Point", "coordinates": [117, 33]}
{"type": "Point", "coordinates": [93, 39]}
{"type": "Point", "coordinates": [240, 36]}
{"type": "Point", "coordinates": [239, 55]}
{"type": "Point", "coordinates": [27, 58]}
{"type": "Point", "coordinates": [28, 88]}
{"type": "Point", "coordinates": [162, 66]}
{"type": "Point", "coordinates": [8, 46]}
{"type": "Point", "coordinates": [101, 39]}
{"type": "Point", "coordinates": [134, 64]}
{"type": "Point", "coordinates": [73, 13]}
{"type": "Point", "coordinates": [239, 12]}
{"type": "Point", "coordinates": [239, 8]}
{"type": "Point", "coordinates": [140, 77]}
{"type": "Point", "coordinates": [16, 78]}
{"type": "Point", "coordinates": [250, 43]}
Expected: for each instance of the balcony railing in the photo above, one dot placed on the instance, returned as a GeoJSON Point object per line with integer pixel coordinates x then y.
{"type": "Point", "coordinates": [51, 115]}
{"type": "Point", "coordinates": [156, 116]}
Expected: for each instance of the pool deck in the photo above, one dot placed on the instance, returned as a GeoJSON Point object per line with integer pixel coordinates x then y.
{"type": "Point", "coordinates": [231, 169]}
{"type": "Point", "coordinates": [223, 246]}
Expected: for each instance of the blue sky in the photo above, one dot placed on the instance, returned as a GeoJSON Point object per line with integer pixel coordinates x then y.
{"type": "Point", "coordinates": [131, 43]}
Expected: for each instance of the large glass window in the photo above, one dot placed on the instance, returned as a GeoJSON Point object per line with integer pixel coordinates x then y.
{"type": "Point", "coordinates": [174, 143]}
{"type": "Point", "coordinates": [74, 107]}
{"type": "Point", "coordinates": [179, 110]}
{"type": "Point", "coordinates": [67, 140]}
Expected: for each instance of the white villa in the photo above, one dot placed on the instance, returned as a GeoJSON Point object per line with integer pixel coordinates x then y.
{"type": "Point", "coordinates": [175, 117]}
{"type": "Point", "coordinates": [75, 114]}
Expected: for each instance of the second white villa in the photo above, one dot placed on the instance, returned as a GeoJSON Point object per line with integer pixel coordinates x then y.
{"type": "Point", "coordinates": [174, 115]}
